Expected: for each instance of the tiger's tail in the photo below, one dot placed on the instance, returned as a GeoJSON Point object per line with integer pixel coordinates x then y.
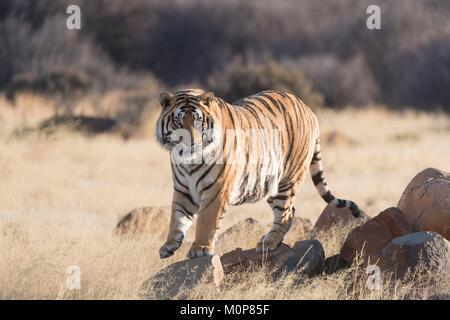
{"type": "Point", "coordinates": [316, 169]}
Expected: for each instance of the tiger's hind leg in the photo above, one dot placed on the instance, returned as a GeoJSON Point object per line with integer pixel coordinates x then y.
{"type": "Point", "coordinates": [283, 209]}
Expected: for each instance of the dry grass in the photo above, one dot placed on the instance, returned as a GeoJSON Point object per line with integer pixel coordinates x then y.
{"type": "Point", "coordinates": [61, 196]}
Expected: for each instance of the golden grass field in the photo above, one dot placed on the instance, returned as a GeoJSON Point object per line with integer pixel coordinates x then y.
{"type": "Point", "coordinates": [61, 196]}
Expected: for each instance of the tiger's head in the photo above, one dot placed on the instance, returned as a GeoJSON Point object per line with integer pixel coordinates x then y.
{"type": "Point", "coordinates": [188, 119]}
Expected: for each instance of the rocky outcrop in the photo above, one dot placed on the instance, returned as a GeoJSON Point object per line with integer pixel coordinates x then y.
{"type": "Point", "coordinates": [371, 237]}
{"type": "Point", "coordinates": [406, 253]}
{"type": "Point", "coordinates": [143, 221]}
{"type": "Point", "coordinates": [246, 226]}
{"type": "Point", "coordinates": [426, 202]}
{"type": "Point", "coordinates": [306, 257]}
{"type": "Point", "coordinates": [332, 217]}
{"type": "Point", "coordinates": [301, 229]}
{"type": "Point", "coordinates": [334, 264]}
{"type": "Point", "coordinates": [175, 280]}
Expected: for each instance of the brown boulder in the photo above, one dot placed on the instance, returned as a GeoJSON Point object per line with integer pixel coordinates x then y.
{"type": "Point", "coordinates": [306, 257]}
{"type": "Point", "coordinates": [243, 227]}
{"type": "Point", "coordinates": [300, 229]}
{"type": "Point", "coordinates": [372, 236]}
{"type": "Point", "coordinates": [143, 221]}
{"type": "Point", "coordinates": [239, 259]}
{"type": "Point", "coordinates": [426, 202]}
{"type": "Point", "coordinates": [332, 217]}
{"type": "Point", "coordinates": [427, 249]}
{"type": "Point", "coordinates": [174, 280]}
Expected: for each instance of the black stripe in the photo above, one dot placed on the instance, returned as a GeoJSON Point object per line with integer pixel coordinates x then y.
{"type": "Point", "coordinates": [215, 180]}
{"type": "Point", "coordinates": [290, 129]}
{"type": "Point", "coordinates": [283, 188]}
{"type": "Point", "coordinates": [328, 197]}
{"type": "Point", "coordinates": [281, 197]}
{"type": "Point", "coordinates": [354, 209]}
{"type": "Point", "coordinates": [178, 181]}
{"type": "Point", "coordinates": [286, 96]}
{"type": "Point", "coordinates": [204, 175]}
{"type": "Point", "coordinates": [196, 168]}
{"type": "Point", "coordinates": [279, 208]}
{"type": "Point", "coordinates": [255, 115]}
{"type": "Point", "coordinates": [341, 203]}
{"type": "Point", "coordinates": [316, 157]}
{"type": "Point", "coordinates": [317, 178]}
{"type": "Point", "coordinates": [265, 104]}
{"type": "Point", "coordinates": [273, 100]}
{"type": "Point", "coordinates": [184, 210]}
{"type": "Point", "coordinates": [187, 195]}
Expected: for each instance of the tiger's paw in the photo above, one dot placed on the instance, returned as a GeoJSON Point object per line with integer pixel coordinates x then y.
{"type": "Point", "coordinates": [267, 245]}
{"type": "Point", "coordinates": [200, 251]}
{"type": "Point", "coordinates": [168, 249]}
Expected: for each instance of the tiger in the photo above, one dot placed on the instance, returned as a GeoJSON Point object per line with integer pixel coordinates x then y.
{"type": "Point", "coordinates": [216, 164]}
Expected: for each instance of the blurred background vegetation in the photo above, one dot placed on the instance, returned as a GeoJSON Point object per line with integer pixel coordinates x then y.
{"type": "Point", "coordinates": [320, 50]}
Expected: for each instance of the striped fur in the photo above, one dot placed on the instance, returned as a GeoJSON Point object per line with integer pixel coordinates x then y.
{"type": "Point", "coordinates": [222, 154]}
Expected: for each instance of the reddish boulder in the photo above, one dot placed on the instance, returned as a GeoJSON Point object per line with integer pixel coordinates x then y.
{"type": "Point", "coordinates": [305, 257]}
{"type": "Point", "coordinates": [427, 249]}
{"type": "Point", "coordinates": [332, 217]}
{"type": "Point", "coordinates": [372, 236]}
{"type": "Point", "coordinates": [239, 259]}
{"type": "Point", "coordinates": [426, 202]}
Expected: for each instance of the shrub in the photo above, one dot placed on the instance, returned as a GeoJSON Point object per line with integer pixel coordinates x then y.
{"type": "Point", "coordinates": [64, 64]}
{"type": "Point", "coordinates": [239, 80]}
{"type": "Point", "coordinates": [341, 82]}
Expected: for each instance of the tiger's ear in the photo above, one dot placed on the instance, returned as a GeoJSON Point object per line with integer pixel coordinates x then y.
{"type": "Point", "coordinates": [166, 99]}
{"type": "Point", "coordinates": [207, 97]}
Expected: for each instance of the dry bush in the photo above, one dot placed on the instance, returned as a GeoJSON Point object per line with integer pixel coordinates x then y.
{"type": "Point", "coordinates": [241, 80]}
{"type": "Point", "coordinates": [26, 50]}
{"type": "Point", "coordinates": [342, 83]}
{"type": "Point", "coordinates": [182, 42]}
{"type": "Point", "coordinates": [65, 65]}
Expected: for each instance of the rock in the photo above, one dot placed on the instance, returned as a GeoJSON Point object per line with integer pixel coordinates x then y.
{"type": "Point", "coordinates": [332, 217]}
{"type": "Point", "coordinates": [311, 256]}
{"type": "Point", "coordinates": [407, 252]}
{"type": "Point", "coordinates": [239, 259]}
{"type": "Point", "coordinates": [143, 221]}
{"type": "Point", "coordinates": [245, 226]}
{"type": "Point", "coordinates": [306, 257]}
{"type": "Point", "coordinates": [172, 281]}
{"type": "Point", "coordinates": [334, 264]}
{"type": "Point", "coordinates": [300, 229]}
{"type": "Point", "coordinates": [371, 237]}
{"type": "Point", "coordinates": [426, 202]}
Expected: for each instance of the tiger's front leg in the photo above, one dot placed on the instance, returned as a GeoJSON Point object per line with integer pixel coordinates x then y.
{"type": "Point", "coordinates": [210, 216]}
{"type": "Point", "coordinates": [182, 217]}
